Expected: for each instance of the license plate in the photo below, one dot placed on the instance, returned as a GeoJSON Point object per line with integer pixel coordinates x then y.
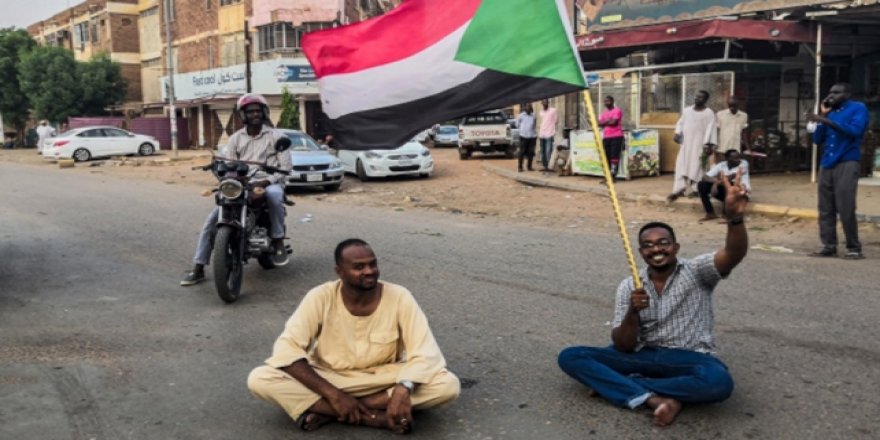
{"type": "Point", "coordinates": [485, 144]}
{"type": "Point", "coordinates": [314, 178]}
{"type": "Point", "coordinates": [406, 163]}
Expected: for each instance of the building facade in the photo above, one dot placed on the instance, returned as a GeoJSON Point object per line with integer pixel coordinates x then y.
{"type": "Point", "coordinates": [99, 26]}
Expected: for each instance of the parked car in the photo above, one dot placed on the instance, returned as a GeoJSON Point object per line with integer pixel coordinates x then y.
{"type": "Point", "coordinates": [313, 165]}
{"type": "Point", "coordinates": [85, 143]}
{"type": "Point", "coordinates": [423, 135]}
{"type": "Point", "coordinates": [412, 158]}
{"type": "Point", "coordinates": [447, 135]}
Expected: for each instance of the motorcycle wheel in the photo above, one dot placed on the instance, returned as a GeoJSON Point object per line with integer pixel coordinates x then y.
{"type": "Point", "coordinates": [228, 268]}
{"type": "Point", "coordinates": [265, 261]}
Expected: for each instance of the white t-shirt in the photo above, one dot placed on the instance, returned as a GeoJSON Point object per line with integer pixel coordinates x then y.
{"type": "Point", "coordinates": [723, 168]}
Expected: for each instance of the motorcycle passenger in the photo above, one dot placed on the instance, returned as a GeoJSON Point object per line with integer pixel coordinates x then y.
{"type": "Point", "coordinates": [255, 143]}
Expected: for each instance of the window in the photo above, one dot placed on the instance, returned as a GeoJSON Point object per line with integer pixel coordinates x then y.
{"type": "Point", "coordinates": [80, 35]}
{"type": "Point", "coordinates": [95, 132]}
{"type": "Point", "coordinates": [317, 26]}
{"type": "Point", "coordinates": [229, 2]}
{"type": "Point", "coordinates": [279, 37]}
{"type": "Point", "coordinates": [114, 132]}
{"type": "Point", "coordinates": [152, 62]}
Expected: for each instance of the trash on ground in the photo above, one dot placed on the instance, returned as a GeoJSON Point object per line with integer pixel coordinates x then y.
{"type": "Point", "coordinates": [771, 248]}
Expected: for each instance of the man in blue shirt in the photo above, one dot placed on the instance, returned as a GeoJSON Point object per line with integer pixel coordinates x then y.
{"type": "Point", "coordinates": [840, 129]}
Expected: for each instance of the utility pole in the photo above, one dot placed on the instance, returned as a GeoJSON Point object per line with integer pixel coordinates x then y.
{"type": "Point", "coordinates": [172, 111]}
{"type": "Point", "coordinates": [247, 57]}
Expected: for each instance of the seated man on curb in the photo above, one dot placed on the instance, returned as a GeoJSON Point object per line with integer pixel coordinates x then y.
{"type": "Point", "coordinates": [662, 351]}
{"type": "Point", "coordinates": [712, 180]}
{"type": "Point", "coordinates": [357, 350]}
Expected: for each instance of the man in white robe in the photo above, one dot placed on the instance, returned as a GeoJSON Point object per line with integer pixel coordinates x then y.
{"type": "Point", "coordinates": [697, 134]}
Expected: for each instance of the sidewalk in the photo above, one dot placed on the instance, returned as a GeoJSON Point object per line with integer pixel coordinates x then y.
{"type": "Point", "coordinates": [789, 195]}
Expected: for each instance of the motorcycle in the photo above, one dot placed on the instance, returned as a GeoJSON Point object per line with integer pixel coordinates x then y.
{"type": "Point", "coordinates": [242, 222]}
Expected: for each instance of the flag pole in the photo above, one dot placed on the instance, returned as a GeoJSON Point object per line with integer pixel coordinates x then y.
{"type": "Point", "coordinates": [609, 180]}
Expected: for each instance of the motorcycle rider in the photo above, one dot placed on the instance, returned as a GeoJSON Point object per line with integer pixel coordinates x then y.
{"type": "Point", "coordinates": [254, 143]}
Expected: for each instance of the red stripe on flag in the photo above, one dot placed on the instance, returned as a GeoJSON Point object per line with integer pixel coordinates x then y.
{"type": "Point", "coordinates": [406, 30]}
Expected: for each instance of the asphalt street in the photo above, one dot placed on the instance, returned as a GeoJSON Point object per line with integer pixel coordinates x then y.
{"type": "Point", "coordinates": [100, 342]}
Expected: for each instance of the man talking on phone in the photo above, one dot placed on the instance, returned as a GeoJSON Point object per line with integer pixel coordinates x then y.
{"type": "Point", "coordinates": [840, 127]}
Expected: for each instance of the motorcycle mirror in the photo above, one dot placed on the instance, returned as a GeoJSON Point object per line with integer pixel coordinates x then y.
{"type": "Point", "coordinates": [282, 144]}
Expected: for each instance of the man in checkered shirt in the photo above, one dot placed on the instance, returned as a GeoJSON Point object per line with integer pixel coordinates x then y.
{"type": "Point", "coordinates": [661, 354]}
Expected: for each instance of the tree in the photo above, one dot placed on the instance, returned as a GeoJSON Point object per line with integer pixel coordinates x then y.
{"type": "Point", "coordinates": [102, 85]}
{"type": "Point", "coordinates": [14, 105]}
{"type": "Point", "coordinates": [289, 111]}
{"type": "Point", "coordinates": [49, 77]}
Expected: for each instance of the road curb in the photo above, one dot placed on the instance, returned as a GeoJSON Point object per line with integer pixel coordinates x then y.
{"type": "Point", "coordinates": [755, 208]}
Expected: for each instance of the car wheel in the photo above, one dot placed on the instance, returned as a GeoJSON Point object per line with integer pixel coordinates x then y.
{"type": "Point", "coordinates": [464, 155]}
{"type": "Point", "coordinates": [361, 172]}
{"type": "Point", "coordinates": [332, 188]}
{"type": "Point", "coordinates": [510, 152]}
{"type": "Point", "coordinates": [81, 155]}
{"type": "Point", "coordinates": [146, 149]}
{"type": "Point", "coordinates": [425, 175]}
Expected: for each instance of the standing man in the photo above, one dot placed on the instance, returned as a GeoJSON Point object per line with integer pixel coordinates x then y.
{"type": "Point", "coordinates": [840, 128]}
{"type": "Point", "coordinates": [549, 119]}
{"type": "Point", "coordinates": [253, 143]}
{"type": "Point", "coordinates": [662, 351]}
{"type": "Point", "coordinates": [44, 132]}
{"type": "Point", "coordinates": [712, 182]}
{"type": "Point", "coordinates": [525, 123]}
{"type": "Point", "coordinates": [356, 350]}
{"type": "Point", "coordinates": [732, 130]}
{"type": "Point", "coordinates": [697, 134]}
{"type": "Point", "coordinates": [611, 121]}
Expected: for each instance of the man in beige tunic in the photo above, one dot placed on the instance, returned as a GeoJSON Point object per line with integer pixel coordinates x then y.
{"type": "Point", "coordinates": [357, 350]}
{"type": "Point", "coordinates": [697, 134]}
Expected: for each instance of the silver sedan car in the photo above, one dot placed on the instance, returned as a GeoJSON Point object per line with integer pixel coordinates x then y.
{"type": "Point", "coordinates": [313, 165]}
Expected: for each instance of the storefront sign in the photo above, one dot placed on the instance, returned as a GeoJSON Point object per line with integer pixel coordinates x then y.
{"type": "Point", "coordinates": [612, 14]}
{"type": "Point", "coordinates": [267, 77]}
{"type": "Point", "coordinates": [641, 156]}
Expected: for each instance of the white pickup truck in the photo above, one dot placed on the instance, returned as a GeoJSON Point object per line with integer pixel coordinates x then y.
{"type": "Point", "coordinates": [487, 132]}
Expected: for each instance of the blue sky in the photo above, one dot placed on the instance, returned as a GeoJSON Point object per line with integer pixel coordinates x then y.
{"type": "Point", "coordinates": [21, 13]}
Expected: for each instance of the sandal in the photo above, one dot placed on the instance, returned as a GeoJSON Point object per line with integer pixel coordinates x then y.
{"type": "Point", "coordinates": [309, 421]}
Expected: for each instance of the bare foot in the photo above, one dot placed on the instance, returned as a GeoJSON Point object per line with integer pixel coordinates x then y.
{"type": "Point", "coordinates": [665, 410]}
{"type": "Point", "coordinates": [310, 421]}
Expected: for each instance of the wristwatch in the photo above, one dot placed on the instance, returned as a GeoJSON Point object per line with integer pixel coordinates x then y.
{"type": "Point", "coordinates": [408, 384]}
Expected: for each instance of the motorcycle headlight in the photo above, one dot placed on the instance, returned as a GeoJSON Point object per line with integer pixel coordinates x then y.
{"type": "Point", "coordinates": [231, 189]}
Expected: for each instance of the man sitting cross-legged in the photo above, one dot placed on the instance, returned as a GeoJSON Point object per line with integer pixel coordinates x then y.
{"type": "Point", "coordinates": [661, 354]}
{"type": "Point", "coordinates": [357, 350]}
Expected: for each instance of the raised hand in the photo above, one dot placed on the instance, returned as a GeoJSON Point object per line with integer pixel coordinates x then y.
{"type": "Point", "coordinates": [737, 197]}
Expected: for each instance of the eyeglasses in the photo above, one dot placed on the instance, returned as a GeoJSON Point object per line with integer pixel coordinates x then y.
{"type": "Point", "coordinates": [662, 245]}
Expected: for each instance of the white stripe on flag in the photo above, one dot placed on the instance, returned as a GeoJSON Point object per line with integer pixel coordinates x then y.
{"type": "Point", "coordinates": [426, 73]}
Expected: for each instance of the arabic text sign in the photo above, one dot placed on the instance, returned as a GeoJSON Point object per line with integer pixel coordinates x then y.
{"type": "Point", "coordinates": [611, 14]}
{"type": "Point", "coordinates": [267, 77]}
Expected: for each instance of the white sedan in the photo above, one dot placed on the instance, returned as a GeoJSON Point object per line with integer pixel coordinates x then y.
{"type": "Point", "coordinates": [84, 143]}
{"type": "Point", "coordinates": [411, 159]}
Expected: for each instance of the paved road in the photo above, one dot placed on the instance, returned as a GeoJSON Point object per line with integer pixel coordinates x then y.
{"type": "Point", "coordinates": [99, 341]}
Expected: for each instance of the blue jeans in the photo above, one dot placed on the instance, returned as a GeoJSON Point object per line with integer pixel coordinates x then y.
{"type": "Point", "coordinates": [275, 200]}
{"type": "Point", "coordinates": [546, 151]}
{"type": "Point", "coordinates": [629, 379]}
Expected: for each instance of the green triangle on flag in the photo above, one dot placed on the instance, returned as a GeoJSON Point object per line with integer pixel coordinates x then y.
{"type": "Point", "coordinates": [522, 37]}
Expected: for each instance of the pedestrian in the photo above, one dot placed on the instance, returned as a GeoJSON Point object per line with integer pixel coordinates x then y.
{"type": "Point", "coordinates": [733, 134]}
{"type": "Point", "coordinates": [9, 141]}
{"type": "Point", "coordinates": [44, 132]}
{"type": "Point", "coordinates": [525, 123]}
{"type": "Point", "coordinates": [549, 119]}
{"type": "Point", "coordinates": [697, 134]}
{"type": "Point", "coordinates": [611, 121]}
{"type": "Point", "coordinates": [357, 350]}
{"type": "Point", "coordinates": [560, 161]}
{"type": "Point", "coordinates": [840, 127]}
{"type": "Point", "coordinates": [712, 185]}
{"type": "Point", "coordinates": [662, 339]}
{"type": "Point", "coordinates": [253, 143]}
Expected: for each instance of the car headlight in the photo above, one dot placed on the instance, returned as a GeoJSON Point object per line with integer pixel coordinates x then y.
{"type": "Point", "coordinates": [231, 189]}
{"type": "Point", "coordinates": [426, 152]}
{"type": "Point", "coordinates": [372, 155]}
{"type": "Point", "coordinates": [335, 164]}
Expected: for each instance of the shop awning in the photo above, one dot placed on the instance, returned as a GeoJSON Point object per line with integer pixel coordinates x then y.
{"type": "Point", "coordinates": [764, 30]}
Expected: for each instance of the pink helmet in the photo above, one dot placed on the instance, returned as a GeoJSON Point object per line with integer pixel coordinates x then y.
{"type": "Point", "coordinates": [252, 98]}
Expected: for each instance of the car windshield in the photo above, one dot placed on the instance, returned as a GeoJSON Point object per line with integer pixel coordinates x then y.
{"type": "Point", "coordinates": [301, 142]}
{"type": "Point", "coordinates": [485, 118]}
{"type": "Point", "coordinates": [447, 130]}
